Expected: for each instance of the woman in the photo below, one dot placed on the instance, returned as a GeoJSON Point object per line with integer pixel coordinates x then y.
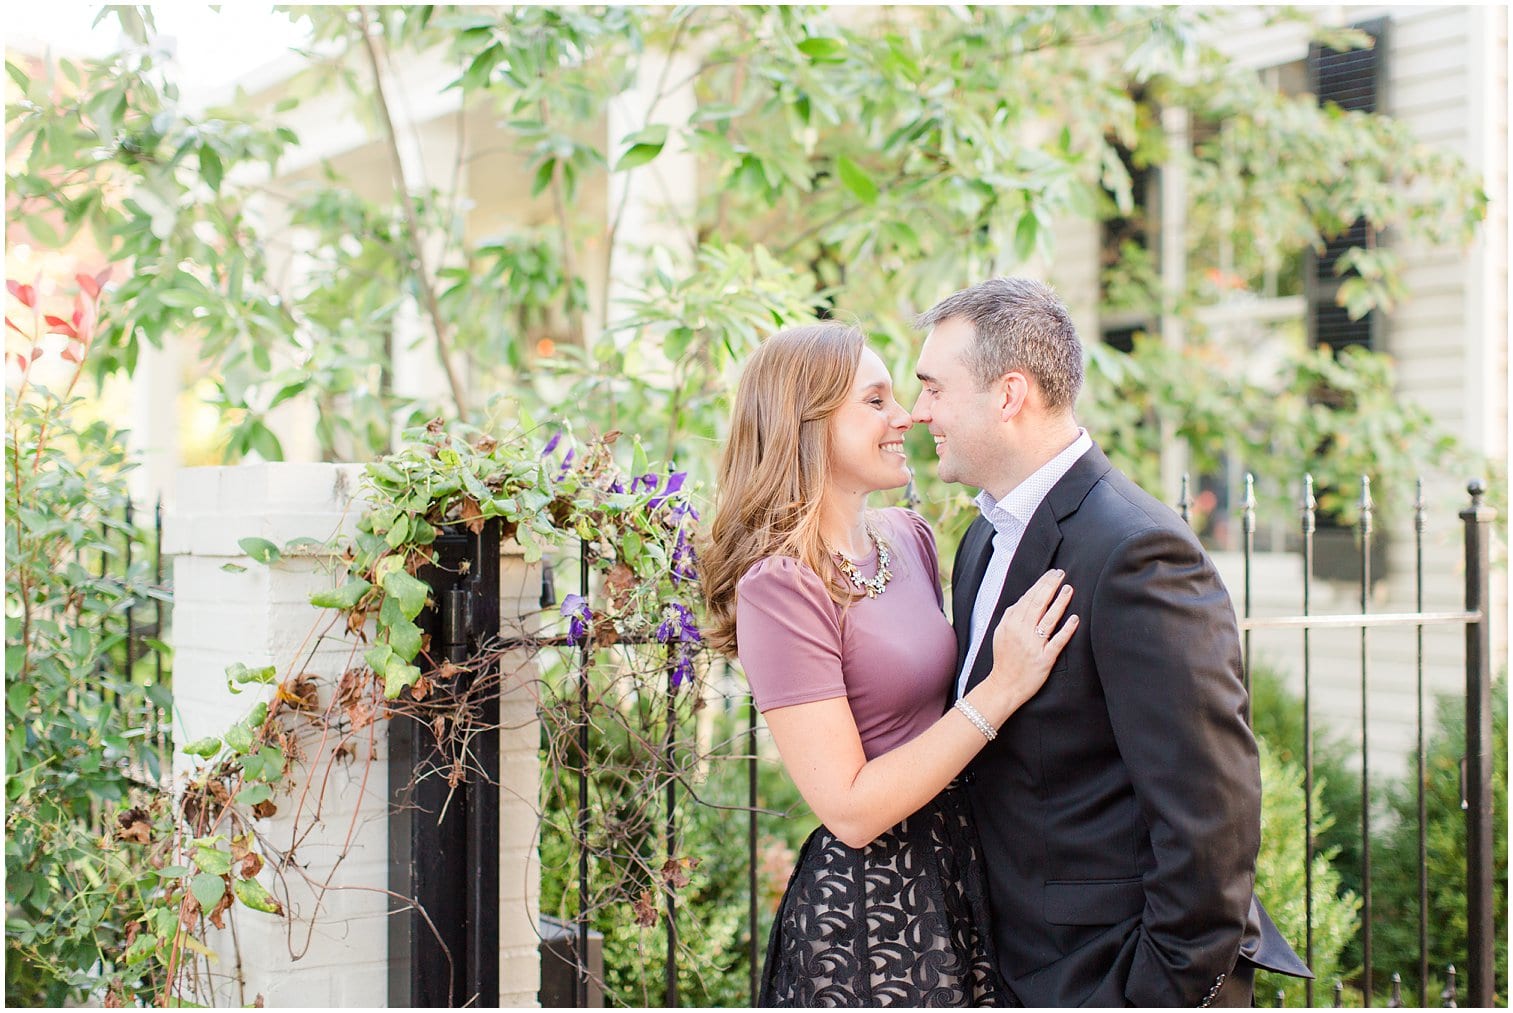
{"type": "Point", "coordinates": [836, 614]}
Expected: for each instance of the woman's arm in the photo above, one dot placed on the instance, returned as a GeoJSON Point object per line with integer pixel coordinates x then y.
{"type": "Point", "coordinates": [858, 799]}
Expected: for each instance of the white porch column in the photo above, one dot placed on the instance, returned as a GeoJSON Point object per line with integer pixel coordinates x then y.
{"type": "Point", "coordinates": [654, 206]}
{"type": "Point", "coordinates": [156, 386]}
{"type": "Point", "coordinates": [1173, 248]}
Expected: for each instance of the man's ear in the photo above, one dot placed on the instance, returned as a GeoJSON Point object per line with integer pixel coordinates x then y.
{"type": "Point", "coordinates": [1014, 388]}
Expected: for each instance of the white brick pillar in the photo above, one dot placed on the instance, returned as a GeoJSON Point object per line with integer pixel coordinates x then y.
{"type": "Point", "coordinates": [333, 950]}
{"type": "Point", "coordinates": [519, 789]}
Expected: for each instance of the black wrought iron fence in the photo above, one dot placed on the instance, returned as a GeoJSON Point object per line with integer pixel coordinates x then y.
{"type": "Point", "coordinates": [1478, 885]}
{"type": "Point", "coordinates": [134, 668]}
{"type": "Point", "coordinates": [1477, 765]}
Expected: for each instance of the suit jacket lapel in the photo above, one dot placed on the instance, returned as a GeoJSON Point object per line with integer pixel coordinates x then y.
{"type": "Point", "coordinates": [1038, 547]}
{"type": "Point", "coordinates": [1031, 559]}
{"type": "Point", "coordinates": [972, 560]}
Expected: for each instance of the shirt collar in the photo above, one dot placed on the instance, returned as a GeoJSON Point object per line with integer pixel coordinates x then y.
{"type": "Point", "coordinates": [1021, 502]}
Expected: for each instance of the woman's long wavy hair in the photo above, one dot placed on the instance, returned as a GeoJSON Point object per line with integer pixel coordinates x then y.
{"type": "Point", "coordinates": [773, 472]}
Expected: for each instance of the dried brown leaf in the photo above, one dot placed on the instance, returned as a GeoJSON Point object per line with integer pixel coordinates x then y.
{"type": "Point", "coordinates": [134, 826]}
{"type": "Point", "coordinates": [264, 810]}
{"type": "Point", "coordinates": [217, 917]}
{"type": "Point", "coordinates": [675, 871]}
{"type": "Point", "coordinates": [619, 582]}
{"type": "Point", "coordinates": [644, 911]}
{"type": "Point", "coordinates": [251, 865]}
{"type": "Point", "coordinates": [301, 692]}
{"type": "Point", "coordinates": [472, 515]}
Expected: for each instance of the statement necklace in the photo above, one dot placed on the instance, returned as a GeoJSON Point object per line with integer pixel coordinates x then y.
{"type": "Point", "coordinates": [874, 587]}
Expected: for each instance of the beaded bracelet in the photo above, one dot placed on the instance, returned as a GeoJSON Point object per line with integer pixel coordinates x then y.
{"type": "Point", "coordinates": [978, 721]}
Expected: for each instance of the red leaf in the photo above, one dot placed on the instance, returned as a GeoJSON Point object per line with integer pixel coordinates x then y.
{"type": "Point", "coordinates": [102, 278]}
{"type": "Point", "coordinates": [36, 354]}
{"type": "Point", "coordinates": [21, 361]}
{"type": "Point", "coordinates": [61, 326]}
{"type": "Point", "coordinates": [15, 327]}
{"type": "Point", "coordinates": [69, 355]}
{"type": "Point", "coordinates": [89, 285]}
{"type": "Point", "coordinates": [25, 293]}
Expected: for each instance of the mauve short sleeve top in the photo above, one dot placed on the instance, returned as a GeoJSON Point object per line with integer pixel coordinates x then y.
{"type": "Point", "coordinates": [892, 657]}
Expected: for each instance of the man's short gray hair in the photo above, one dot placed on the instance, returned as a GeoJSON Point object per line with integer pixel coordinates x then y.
{"type": "Point", "coordinates": [1020, 325]}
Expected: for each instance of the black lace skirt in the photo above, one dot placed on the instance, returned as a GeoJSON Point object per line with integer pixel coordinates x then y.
{"type": "Point", "coordinates": [901, 922]}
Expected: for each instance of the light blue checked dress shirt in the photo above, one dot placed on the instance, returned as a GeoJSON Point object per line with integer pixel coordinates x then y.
{"type": "Point", "coordinates": [1009, 517]}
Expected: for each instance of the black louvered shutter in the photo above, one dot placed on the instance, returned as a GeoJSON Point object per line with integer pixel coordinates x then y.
{"type": "Point", "coordinates": [1351, 79]}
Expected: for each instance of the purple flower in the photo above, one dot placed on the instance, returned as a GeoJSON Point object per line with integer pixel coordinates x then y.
{"type": "Point", "coordinates": [617, 486]}
{"type": "Point", "coordinates": [684, 560]}
{"type": "Point", "coordinates": [678, 625]}
{"type": "Point", "coordinates": [648, 480]}
{"type": "Point", "coordinates": [575, 607]}
{"type": "Point", "coordinates": [682, 669]}
{"type": "Point", "coordinates": [567, 462]}
{"type": "Point", "coordinates": [674, 483]}
{"type": "Point", "coordinates": [551, 444]}
{"type": "Point", "coordinates": [682, 509]}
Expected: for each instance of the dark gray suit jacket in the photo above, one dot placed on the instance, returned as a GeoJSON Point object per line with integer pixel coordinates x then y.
{"type": "Point", "coordinates": [1119, 809]}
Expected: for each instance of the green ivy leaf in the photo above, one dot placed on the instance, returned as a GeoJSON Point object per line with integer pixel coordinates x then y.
{"type": "Point", "coordinates": [399, 533]}
{"type": "Point", "coordinates": [252, 893]}
{"type": "Point", "coordinates": [404, 637]}
{"type": "Point", "coordinates": [398, 675]}
{"type": "Point", "coordinates": [345, 597]}
{"type": "Point", "coordinates": [267, 764]}
{"type": "Point", "coordinates": [378, 657]}
{"type": "Point", "coordinates": [856, 180]}
{"type": "Point", "coordinates": [208, 888]}
{"type": "Point", "coordinates": [211, 859]}
{"type": "Point", "coordinates": [410, 592]}
{"type": "Point", "coordinates": [239, 738]}
{"type": "Point", "coordinates": [206, 747]}
{"type": "Point", "coordinates": [241, 674]}
{"type": "Point", "coordinates": [252, 794]}
{"type": "Point", "coordinates": [386, 472]}
{"type": "Point", "coordinates": [233, 568]}
{"type": "Point", "coordinates": [261, 550]}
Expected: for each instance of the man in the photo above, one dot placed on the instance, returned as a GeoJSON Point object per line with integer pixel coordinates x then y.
{"type": "Point", "coordinates": [1119, 809]}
